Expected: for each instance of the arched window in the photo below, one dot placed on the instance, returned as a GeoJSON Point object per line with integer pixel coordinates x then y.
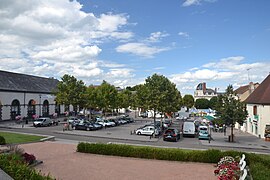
{"type": "Point", "coordinates": [254, 110]}
{"type": "Point", "coordinates": [31, 108]}
{"type": "Point", "coordinates": [45, 108]}
{"type": "Point", "coordinates": [15, 109]}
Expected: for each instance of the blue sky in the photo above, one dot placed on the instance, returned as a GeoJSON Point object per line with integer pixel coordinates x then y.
{"type": "Point", "coordinates": [219, 42]}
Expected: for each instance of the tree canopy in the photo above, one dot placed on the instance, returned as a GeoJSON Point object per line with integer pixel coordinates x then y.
{"type": "Point", "coordinates": [71, 91]}
{"type": "Point", "coordinates": [202, 103]}
{"type": "Point", "coordinates": [188, 101]}
{"type": "Point", "coordinates": [213, 102]}
{"type": "Point", "coordinates": [158, 94]}
{"type": "Point", "coordinates": [230, 109]}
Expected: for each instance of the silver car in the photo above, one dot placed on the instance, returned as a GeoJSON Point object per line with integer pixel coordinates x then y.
{"type": "Point", "coordinates": [42, 122]}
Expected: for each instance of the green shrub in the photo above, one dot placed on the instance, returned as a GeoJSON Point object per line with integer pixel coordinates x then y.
{"type": "Point", "coordinates": [2, 140]}
{"type": "Point", "coordinates": [209, 156]}
{"type": "Point", "coordinates": [14, 165]}
{"type": "Point", "coordinates": [259, 164]}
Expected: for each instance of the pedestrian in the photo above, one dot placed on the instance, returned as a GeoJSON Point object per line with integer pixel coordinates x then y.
{"type": "Point", "coordinates": [224, 129]}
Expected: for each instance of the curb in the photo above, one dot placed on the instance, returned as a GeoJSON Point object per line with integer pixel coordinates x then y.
{"type": "Point", "coordinates": [4, 175]}
{"type": "Point", "coordinates": [59, 132]}
{"type": "Point", "coordinates": [49, 138]}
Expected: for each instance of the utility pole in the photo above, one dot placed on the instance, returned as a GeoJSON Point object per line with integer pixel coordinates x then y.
{"type": "Point", "coordinates": [248, 74]}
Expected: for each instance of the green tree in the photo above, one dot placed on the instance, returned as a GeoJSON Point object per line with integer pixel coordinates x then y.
{"type": "Point", "coordinates": [124, 99]}
{"type": "Point", "coordinates": [106, 97]}
{"type": "Point", "coordinates": [71, 91]}
{"type": "Point", "coordinates": [230, 109]}
{"type": "Point", "coordinates": [213, 102]}
{"type": "Point", "coordinates": [202, 103]}
{"type": "Point", "coordinates": [159, 94]}
{"type": "Point", "coordinates": [188, 101]}
{"type": "Point", "coordinates": [91, 98]}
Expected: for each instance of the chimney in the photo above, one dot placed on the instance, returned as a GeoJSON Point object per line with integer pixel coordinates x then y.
{"type": "Point", "coordinates": [251, 87]}
{"type": "Point", "coordinates": [204, 87]}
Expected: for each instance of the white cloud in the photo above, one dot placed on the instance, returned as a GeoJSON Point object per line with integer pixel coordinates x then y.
{"type": "Point", "coordinates": [230, 70]}
{"type": "Point", "coordinates": [158, 68]}
{"type": "Point", "coordinates": [191, 2]}
{"type": "Point", "coordinates": [140, 49]}
{"type": "Point", "coordinates": [123, 72]}
{"type": "Point", "coordinates": [195, 2]}
{"type": "Point", "coordinates": [184, 34]}
{"type": "Point", "coordinates": [51, 38]}
{"type": "Point", "coordinates": [157, 36]}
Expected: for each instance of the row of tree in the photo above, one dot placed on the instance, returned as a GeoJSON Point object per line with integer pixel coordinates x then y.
{"type": "Point", "coordinates": [158, 94]}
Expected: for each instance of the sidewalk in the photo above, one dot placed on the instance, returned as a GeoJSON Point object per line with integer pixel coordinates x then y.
{"type": "Point", "coordinates": [63, 162]}
{"type": "Point", "coordinates": [242, 140]}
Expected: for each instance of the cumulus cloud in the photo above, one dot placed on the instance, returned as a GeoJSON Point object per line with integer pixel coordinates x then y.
{"type": "Point", "coordinates": [229, 70]}
{"type": "Point", "coordinates": [140, 49]}
{"type": "Point", "coordinates": [157, 36]}
{"type": "Point", "coordinates": [51, 38]}
{"type": "Point", "coordinates": [195, 2]}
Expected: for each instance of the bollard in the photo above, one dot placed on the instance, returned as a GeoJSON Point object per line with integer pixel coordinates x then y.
{"type": "Point", "coordinates": [134, 131]}
{"type": "Point", "coordinates": [150, 136]}
{"type": "Point", "coordinates": [130, 132]}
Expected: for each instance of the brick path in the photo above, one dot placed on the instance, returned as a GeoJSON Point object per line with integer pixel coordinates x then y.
{"type": "Point", "coordinates": [63, 162]}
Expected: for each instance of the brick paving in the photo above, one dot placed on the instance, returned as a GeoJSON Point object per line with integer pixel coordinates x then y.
{"type": "Point", "coordinates": [63, 162]}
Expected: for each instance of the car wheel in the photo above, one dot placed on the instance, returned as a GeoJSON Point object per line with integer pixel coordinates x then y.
{"type": "Point", "coordinates": [139, 133]}
{"type": "Point", "coordinates": [88, 129]}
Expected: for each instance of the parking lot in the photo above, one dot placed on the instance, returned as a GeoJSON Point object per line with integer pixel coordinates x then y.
{"type": "Point", "coordinates": [124, 134]}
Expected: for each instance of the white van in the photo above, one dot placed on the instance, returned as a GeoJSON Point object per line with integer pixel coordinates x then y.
{"type": "Point", "coordinates": [189, 129]}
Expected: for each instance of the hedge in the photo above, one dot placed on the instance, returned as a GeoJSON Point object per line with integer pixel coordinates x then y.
{"type": "Point", "coordinates": [259, 164]}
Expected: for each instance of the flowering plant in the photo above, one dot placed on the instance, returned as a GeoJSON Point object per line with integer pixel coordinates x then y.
{"type": "Point", "coordinates": [29, 158]}
{"type": "Point", "coordinates": [227, 169]}
{"type": "Point", "coordinates": [18, 117]}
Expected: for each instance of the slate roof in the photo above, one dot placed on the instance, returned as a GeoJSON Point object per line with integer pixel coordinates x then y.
{"type": "Point", "coordinates": [261, 95]}
{"type": "Point", "coordinates": [10, 81]}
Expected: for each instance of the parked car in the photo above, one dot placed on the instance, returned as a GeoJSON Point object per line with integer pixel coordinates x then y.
{"type": "Point", "coordinates": [189, 129]}
{"type": "Point", "coordinates": [148, 130]}
{"type": "Point", "coordinates": [203, 132]}
{"type": "Point", "coordinates": [171, 135]}
{"type": "Point", "coordinates": [85, 126]}
{"type": "Point", "coordinates": [72, 119]}
{"type": "Point", "coordinates": [42, 122]}
{"type": "Point", "coordinates": [121, 121]}
{"type": "Point", "coordinates": [105, 123]}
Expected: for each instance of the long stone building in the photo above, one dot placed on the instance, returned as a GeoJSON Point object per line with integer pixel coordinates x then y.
{"type": "Point", "coordinates": [27, 96]}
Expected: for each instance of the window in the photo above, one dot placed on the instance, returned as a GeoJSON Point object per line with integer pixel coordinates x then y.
{"type": "Point", "coordinates": [254, 110]}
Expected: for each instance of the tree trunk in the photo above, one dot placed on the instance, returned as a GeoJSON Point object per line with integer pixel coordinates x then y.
{"type": "Point", "coordinates": [232, 138]}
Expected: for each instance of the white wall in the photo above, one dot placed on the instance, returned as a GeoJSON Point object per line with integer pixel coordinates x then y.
{"type": "Point", "coordinates": [263, 112]}
{"type": "Point", "coordinates": [6, 99]}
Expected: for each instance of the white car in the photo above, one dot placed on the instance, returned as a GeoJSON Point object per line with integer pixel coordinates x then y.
{"type": "Point", "coordinates": [105, 123]}
{"type": "Point", "coordinates": [148, 130]}
{"type": "Point", "coordinates": [72, 119]}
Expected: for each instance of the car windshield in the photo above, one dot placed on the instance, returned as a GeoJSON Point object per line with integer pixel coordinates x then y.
{"type": "Point", "coordinates": [39, 120]}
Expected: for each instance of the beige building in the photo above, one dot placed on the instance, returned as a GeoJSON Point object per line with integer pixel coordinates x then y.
{"type": "Point", "coordinates": [244, 91]}
{"type": "Point", "coordinates": [202, 92]}
{"type": "Point", "coordinates": [26, 96]}
{"type": "Point", "coordinates": [258, 107]}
